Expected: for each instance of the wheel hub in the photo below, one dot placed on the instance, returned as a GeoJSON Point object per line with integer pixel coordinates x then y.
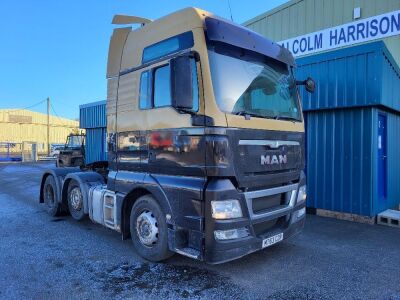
{"type": "Point", "coordinates": [147, 228]}
{"type": "Point", "coordinates": [76, 198]}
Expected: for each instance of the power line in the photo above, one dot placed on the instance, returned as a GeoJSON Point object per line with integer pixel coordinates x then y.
{"type": "Point", "coordinates": [30, 106]}
{"type": "Point", "coordinates": [230, 9]}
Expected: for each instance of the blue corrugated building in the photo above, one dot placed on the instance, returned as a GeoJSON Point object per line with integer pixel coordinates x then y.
{"type": "Point", "coordinates": [93, 118]}
{"type": "Point", "coordinates": [353, 129]}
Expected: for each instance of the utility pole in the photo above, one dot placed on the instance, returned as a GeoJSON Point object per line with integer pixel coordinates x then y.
{"type": "Point", "coordinates": [48, 126]}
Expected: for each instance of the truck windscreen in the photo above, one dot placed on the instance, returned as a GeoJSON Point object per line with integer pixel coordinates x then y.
{"type": "Point", "coordinates": [248, 83]}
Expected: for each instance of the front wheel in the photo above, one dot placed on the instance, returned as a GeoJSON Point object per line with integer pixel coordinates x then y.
{"type": "Point", "coordinates": [75, 200]}
{"type": "Point", "coordinates": [149, 229]}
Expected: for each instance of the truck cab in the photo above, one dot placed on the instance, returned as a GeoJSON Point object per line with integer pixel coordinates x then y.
{"type": "Point", "coordinates": [205, 141]}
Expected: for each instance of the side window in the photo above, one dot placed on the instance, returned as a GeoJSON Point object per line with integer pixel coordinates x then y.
{"type": "Point", "coordinates": [144, 95]}
{"type": "Point", "coordinates": [162, 86]}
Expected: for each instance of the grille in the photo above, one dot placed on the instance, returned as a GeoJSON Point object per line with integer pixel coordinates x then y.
{"type": "Point", "coordinates": [268, 202]}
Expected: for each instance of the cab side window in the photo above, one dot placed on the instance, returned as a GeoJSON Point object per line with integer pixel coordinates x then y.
{"type": "Point", "coordinates": [155, 87]}
{"type": "Point", "coordinates": [162, 86]}
{"type": "Point", "coordinates": [144, 91]}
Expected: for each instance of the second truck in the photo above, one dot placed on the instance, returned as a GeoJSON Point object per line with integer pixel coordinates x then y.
{"type": "Point", "coordinates": [205, 142]}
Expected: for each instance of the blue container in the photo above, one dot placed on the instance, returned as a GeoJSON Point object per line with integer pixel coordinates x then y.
{"type": "Point", "coordinates": [93, 118]}
{"type": "Point", "coordinates": [364, 75]}
{"type": "Point", "coordinates": [93, 115]}
{"type": "Point", "coordinates": [353, 130]}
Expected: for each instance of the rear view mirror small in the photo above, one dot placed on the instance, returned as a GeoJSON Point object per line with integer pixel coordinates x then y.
{"type": "Point", "coordinates": [309, 84]}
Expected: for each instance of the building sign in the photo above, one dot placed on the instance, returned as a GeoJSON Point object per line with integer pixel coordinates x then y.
{"type": "Point", "coordinates": [369, 29]}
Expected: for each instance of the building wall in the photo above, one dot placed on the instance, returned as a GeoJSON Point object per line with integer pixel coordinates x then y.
{"type": "Point", "coordinates": [23, 125]}
{"type": "Point", "coordinates": [298, 17]}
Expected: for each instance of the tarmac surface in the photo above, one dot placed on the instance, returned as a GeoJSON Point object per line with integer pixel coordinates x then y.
{"type": "Point", "coordinates": [43, 257]}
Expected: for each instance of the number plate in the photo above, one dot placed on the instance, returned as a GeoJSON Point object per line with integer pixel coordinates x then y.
{"type": "Point", "coordinates": [272, 240]}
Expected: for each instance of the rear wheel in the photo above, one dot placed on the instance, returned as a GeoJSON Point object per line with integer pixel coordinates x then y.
{"type": "Point", "coordinates": [75, 200]}
{"type": "Point", "coordinates": [50, 199]}
{"type": "Point", "coordinates": [149, 229]}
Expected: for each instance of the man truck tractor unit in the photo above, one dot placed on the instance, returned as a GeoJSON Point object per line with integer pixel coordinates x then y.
{"type": "Point", "coordinates": [205, 140]}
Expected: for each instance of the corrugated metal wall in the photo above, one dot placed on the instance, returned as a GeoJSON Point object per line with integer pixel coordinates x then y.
{"type": "Point", "coordinates": [93, 118]}
{"type": "Point", "coordinates": [357, 76]}
{"type": "Point", "coordinates": [95, 149]}
{"type": "Point", "coordinates": [24, 125]}
{"type": "Point", "coordinates": [353, 86]}
{"type": "Point", "coordinates": [298, 17]}
{"type": "Point", "coordinates": [93, 115]}
{"type": "Point", "coordinates": [340, 160]}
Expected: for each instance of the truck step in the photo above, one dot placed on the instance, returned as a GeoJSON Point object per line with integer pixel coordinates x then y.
{"type": "Point", "coordinates": [189, 252]}
{"type": "Point", "coordinates": [389, 217]}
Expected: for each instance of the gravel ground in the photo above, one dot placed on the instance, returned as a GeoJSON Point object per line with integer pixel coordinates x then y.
{"type": "Point", "coordinates": [43, 257]}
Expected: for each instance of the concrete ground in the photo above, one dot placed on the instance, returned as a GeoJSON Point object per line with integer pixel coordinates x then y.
{"type": "Point", "coordinates": [43, 257]}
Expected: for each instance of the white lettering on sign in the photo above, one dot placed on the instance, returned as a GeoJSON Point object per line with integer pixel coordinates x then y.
{"type": "Point", "coordinates": [372, 28]}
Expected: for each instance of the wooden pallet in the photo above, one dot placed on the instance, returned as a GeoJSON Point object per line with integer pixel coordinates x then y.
{"type": "Point", "coordinates": [389, 217]}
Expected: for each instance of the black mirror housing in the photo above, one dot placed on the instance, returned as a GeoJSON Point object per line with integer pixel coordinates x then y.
{"type": "Point", "coordinates": [310, 85]}
{"type": "Point", "coordinates": [181, 82]}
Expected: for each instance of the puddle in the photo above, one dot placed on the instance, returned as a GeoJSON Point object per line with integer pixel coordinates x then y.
{"type": "Point", "coordinates": [166, 281]}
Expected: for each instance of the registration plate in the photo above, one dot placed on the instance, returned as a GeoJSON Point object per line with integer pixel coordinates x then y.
{"type": "Point", "coordinates": [272, 240]}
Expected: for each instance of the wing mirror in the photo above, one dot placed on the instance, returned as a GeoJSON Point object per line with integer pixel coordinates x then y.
{"type": "Point", "coordinates": [181, 83]}
{"type": "Point", "coordinates": [309, 84]}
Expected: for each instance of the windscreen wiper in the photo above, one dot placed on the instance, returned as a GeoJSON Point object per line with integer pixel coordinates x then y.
{"type": "Point", "coordinates": [278, 117]}
{"type": "Point", "coordinates": [248, 114]}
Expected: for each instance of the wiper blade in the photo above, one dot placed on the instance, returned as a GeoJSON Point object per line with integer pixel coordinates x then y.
{"type": "Point", "coordinates": [286, 118]}
{"type": "Point", "coordinates": [246, 113]}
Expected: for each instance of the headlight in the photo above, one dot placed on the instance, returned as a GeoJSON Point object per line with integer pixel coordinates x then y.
{"type": "Point", "coordinates": [302, 195]}
{"type": "Point", "coordinates": [226, 209]}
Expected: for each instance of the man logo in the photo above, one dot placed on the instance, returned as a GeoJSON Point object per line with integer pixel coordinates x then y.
{"type": "Point", "coordinates": [273, 159]}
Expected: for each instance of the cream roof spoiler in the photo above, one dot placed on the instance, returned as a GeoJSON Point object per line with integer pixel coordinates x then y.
{"type": "Point", "coordinates": [124, 20]}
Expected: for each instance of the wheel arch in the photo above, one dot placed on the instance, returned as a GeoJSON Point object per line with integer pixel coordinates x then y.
{"type": "Point", "coordinates": [149, 187]}
{"type": "Point", "coordinates": [59, 175]}
{"type": "Point", "coordinates": [85, 181]}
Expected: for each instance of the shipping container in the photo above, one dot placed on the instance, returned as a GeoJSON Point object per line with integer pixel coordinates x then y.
{"type": "Point", "coordinates": [92, 117]}
{"type": "Point", "coordinates": [353, 130]}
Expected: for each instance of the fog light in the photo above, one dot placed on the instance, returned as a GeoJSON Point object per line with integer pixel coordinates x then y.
{"type": "Point", "coordinates": [231, 234]}
{"type": "Point", "coordinates": [302, 195]}
{"type": "Point", "coordinates": [226, 209]}
{"type": "Point", "coordinates": [300, 213]}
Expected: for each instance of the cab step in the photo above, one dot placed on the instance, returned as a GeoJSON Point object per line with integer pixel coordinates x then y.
{"type": "Point", "coordinates": [389, 217]}
{"type": "Point", "coordinates": [189, 252]}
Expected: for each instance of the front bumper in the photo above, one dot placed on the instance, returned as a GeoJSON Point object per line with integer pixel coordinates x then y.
{"type": "Point", "coordinates": [260, 225]}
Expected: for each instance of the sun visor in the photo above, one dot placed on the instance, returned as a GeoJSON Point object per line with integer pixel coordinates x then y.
{"type": "Point", "coordinates": [239, 36]}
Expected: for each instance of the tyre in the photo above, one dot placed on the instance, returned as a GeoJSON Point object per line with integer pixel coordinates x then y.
{"type": "Point", "coordinates": [50, 197]}
{"type": "Point", "coordinates": [75, 200]}
{"type": "Point", "coordinates": [149, 230]}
